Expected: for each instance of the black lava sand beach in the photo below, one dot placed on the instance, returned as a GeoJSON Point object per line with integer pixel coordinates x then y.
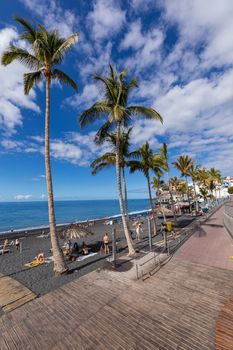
{"type": "Point", "coordinates": [41, 279]}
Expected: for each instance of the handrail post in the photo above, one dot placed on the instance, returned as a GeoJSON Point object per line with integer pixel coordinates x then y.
{"type": "Point", "coordinates": [149, 233]}
{"type": "Point", "coordinates": [114, 247]}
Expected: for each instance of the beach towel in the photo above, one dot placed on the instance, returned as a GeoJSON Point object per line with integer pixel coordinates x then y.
{"type": "Point", "coordinates": [83, 257]}
{"type": "Point", "coordinates": [35, 263]}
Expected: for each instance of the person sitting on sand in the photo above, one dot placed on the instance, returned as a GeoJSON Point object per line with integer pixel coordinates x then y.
{"type": "Point", "coordinates": [84, 249]}
{"type": "Point", "coordinates": [106, 243]}
{"type": "Point", "coordinates": [74, 252]}
{"type": "Point", "coordinates": [40, 258]}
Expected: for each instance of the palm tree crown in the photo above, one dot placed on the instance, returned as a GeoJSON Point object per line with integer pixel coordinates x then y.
{"type": "Point", "coordinates": [183, 164]}
{"type": "Point", "coordinates": [48, 50]}
{"type": "Point", "coordinates": [114, 106]}
{"type": "Point", "coordinates": [109, 158]}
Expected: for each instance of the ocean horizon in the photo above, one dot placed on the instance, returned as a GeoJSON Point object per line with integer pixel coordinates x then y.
{"type": "Point", "coordinates": [31, 214]}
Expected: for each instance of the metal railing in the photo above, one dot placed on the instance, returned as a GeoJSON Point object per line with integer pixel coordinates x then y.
{"type": "Point", "coordinates": [159, 259]}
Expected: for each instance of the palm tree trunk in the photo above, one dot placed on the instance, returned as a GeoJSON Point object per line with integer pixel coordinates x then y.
{"type": "Point", "coordinates": [126, 197]}
{"type": "Point", "coordinates": [171, 197]}
{"type": "Point", "coordinates": [188, 193]}
{"type": "Point", "coordinates": [59, 263]}
{"type": "Point", "coordinates": [118, 173]}
{"type": "Point", "coordinates": [151, 203]}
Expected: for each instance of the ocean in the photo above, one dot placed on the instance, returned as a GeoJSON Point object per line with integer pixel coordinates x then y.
{"type": "Point", "coordinates": [25, 215]}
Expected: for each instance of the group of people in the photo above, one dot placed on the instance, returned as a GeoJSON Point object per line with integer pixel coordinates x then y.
{"type": "Point", "coordinates": [15, 243]}
{"type": "Point", "coordinates": [73, 251]}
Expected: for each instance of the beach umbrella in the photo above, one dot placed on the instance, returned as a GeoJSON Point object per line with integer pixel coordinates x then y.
{"type": "Point", "coordinates": [164, 210]}
{"type": "Point", "coordinates": [75, 231]}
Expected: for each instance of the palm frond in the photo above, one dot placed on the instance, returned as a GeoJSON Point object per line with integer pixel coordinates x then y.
{"type": "Point", "coordinates": [103, 132]}
{"type": "Point", "coordinates": [64, 78]}
{"type": "Point", "coordinates": [29, 32]}
{"type": "Point", "coordinates": [31, 79]}
{"type": "Point", "coordinates": [21, 55]}
{"type": "Point", "coordinates": [146, 112]}
{"type": "Point", "coordinates": [106, 160]}
{"type": "Point", "coordinates": [66, 45]}
{"type": "Point", "coordinates": [99, 110]}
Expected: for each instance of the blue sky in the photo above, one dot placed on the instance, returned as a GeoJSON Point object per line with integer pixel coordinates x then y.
{"type": "Point", "coordinates": [182, 53]}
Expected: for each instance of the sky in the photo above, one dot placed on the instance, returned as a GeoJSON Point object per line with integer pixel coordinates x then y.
{"type": "Point", "coordinates": [182, 55]}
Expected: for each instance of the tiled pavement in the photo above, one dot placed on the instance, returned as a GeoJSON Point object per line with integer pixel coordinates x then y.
{"type": "Point", "coordinates": [211, 245]}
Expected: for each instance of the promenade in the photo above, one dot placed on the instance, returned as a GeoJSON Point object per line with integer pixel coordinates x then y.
{"type": "Point", "coordinates": [186, 305]}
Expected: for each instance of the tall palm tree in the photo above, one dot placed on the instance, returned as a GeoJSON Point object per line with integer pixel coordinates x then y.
{"type": "Point", "coordinates": [193, 173]}
{"type": "Point", "coordinates": [203, 178]}
{"type": "Point", "coordinates": [164, 154]}
{"type": "Point", "coordinates": [47, 50]}
{"type": "Point", "coordinates": [157, 183]}
{"type": "Point", "coordinates": [183, 164]}
{"type": "Point", "coordinates": [147, 161]}
{"type": "Point", "coordinates": [108, 159]}
{"type": "Point", "coordinates": [215, 178]}
{"type": "Point", "coordinates": [114, 109]}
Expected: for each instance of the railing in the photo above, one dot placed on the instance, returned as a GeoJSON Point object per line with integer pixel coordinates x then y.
{"type": "Point", "coordinates": [228, 209]}
{"type": "Point", "coordinates": [150, 266]}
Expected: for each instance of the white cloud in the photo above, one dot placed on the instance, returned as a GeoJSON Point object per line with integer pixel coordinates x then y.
{"type": "Point", "coordinates": [197, 103]}
{"type": "Point", "coordinates": [53, 15]}
{"type": "Point", "coordinates": [147, 46]}
{"type": "Point", "coordinates": [38, 178]}
{"type": "Point", "coordinates": [20, 197]}
{"type": "Point", "coordinates": [206, 22]}
{"type": "Point", "coordinates": [97, 62]}
{"type": "Point", "coordinates": [88, 96]}
{"type": "Point", "coordinates": [66, 151]}
{"type": "Point", "coordinates": [12, 98]}
{"type": "Point", "coordinates": [106, 19]}
{"type": "Point", "coordinates": [134, 37]}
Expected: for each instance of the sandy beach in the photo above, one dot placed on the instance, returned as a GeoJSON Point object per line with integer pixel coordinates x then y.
{"type": "Point", "coordinates": [41, 279]}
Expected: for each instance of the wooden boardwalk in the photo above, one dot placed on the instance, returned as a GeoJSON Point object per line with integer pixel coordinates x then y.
{"type": "Point", "coordinates": [176, 309]}
{"type": "Point", "coordinates": [224, 328]}
{"type": "Point", "coordinates": [13, 294]}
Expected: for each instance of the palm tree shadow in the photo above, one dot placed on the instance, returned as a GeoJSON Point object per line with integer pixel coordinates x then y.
{"type": "Point", "coordinates": [200, 232]}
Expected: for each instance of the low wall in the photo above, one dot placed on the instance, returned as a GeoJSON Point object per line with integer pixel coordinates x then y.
{"type": "Point", "coordinates": [228, 217]}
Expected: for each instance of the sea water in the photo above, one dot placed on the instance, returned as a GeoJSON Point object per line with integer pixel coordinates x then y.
{"type": "Point", "coordinates": [20, 215]}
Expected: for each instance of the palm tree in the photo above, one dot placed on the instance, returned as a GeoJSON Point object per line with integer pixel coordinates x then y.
{"type": "Point", "coordinates": [204, 194]}
{"type": "Point", "coordinates": [164, 154]}
{"type": "Point", "coordinates": [215, 177]}
{"type": "Point", "coordinates": [109, 159]}
{"type": "Point", "coordinates": [157, 183]}
{"type": "Point", "coordinates": [115, 110]}
{"type": "Point", "coordinates": [193, 173]}
{"type": "Point", "coordinates": [183, 164]}
{"type": "Point", "coordinates": [203, 178]}
{"type": "Point", "coordinates": [175, 182]}
{"type": "Point", "coordinates": [147, 161]}
{"type": "Point", "coordinates": [47, 50]}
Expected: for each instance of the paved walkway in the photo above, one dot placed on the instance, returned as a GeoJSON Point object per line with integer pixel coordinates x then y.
{"type": "Point", "coordinates": [177, 308]}
{"type": "Point", "coordinates": [211, 245]}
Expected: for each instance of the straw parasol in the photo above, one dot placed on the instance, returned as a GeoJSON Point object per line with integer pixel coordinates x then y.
{"type": "Point", "coordinates": [75, 231]}
{"type": "Point", "coordinates": [164, 210]}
